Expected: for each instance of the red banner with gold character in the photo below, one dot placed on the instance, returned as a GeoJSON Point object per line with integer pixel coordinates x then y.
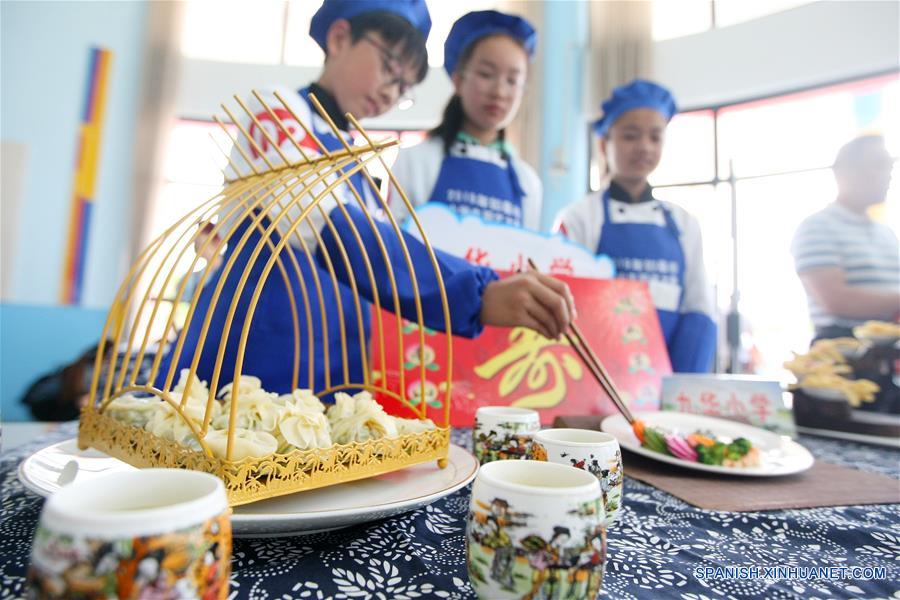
{"type": "Point", "coordinates": [518, 367]}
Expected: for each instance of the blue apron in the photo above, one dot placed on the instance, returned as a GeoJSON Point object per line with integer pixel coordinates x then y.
{"type": "Point", "coordinates": [488, 189]}
{"type": "Point", "coordinates": [269, 353]}
{"type": "Point", "coordinates": [646, 251]}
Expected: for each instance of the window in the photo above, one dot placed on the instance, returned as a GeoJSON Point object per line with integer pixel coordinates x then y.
{"type": "Point", "coordinates": [376, 169]}
{"type": "Point", "coordinates": [693, 134]}
{"type": "Point", "coordinates": [730, 12]}
{"type": "Point", "coordinates": [443, 16]}
{"type": "Point", "coordinates": [192, 174]}
{"type": "Point", "coordinates": [300, 49]}
{"type": "Point", "coordinates": [194, 160]}
{"type": "Point", "coordinates": [233, 31]}
{"type": "Point", "coordinates": [804, 130]}
{"type": "Point", "coordinates": [781, 149]}
{"type": "Point", "coordinates": [678, 18]}
{"type": "Point", "coordinates": [277, 31]}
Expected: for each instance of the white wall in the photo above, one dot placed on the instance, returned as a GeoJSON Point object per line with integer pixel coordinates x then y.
{"type": "Point", "coordinates": [810, 45]}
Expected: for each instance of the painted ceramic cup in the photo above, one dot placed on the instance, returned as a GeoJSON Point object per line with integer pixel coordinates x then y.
{"type": "Point", "coordinates": [161, 533]}
{"type": "Point", "coordinates": [535, 530]}
{"type": "Point", "coordinates": [593, 451]}
{"type": "Point", "coordinates": [503, 432]}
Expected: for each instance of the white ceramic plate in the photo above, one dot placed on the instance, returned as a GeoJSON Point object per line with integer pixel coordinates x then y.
{"type": "Point", "coordinates": [779, 454]}
{"type": "Point", "coordinates": [322, 509]}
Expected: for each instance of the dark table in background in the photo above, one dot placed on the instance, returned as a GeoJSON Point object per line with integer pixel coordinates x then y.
{"type": "Point", "coordinates": [653, 551]}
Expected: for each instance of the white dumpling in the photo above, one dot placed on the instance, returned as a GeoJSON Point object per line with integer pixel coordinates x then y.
{"type": "Point", "coordinates": [302, 423]}
{"type": "Point", "coordinates": [257, 409]}
{"type": "Point", "coordinates": [246, 384]}
{"type": "Point", "coordinates": [169, 425]}
{"type": "Point", "coordinates": [304, 431]}
{"type": "Point", "coordinates": [198, 391]}
{"type": "Point", "coordinates": [247, 444]}
{"type": "Point", "coordinates": [132, 410]}
{"type": "Point", "coordinates": [195, 408]}
{"type": "Point", "coordinates": [304, 399]}
{"type": "Point", "coordinates": [405, 426]}
{"type": "Point", "coordinates": [359, 418]}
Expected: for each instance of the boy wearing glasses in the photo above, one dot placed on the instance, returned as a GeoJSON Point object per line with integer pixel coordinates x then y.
{"type": "Point", "coordinates": [375, 52]}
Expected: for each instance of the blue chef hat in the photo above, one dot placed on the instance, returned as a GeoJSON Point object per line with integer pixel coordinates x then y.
{"type": "Point", "coordinates": [637, 94]}
{"type": "Point", "coordinates": [475, 25]}
{"type": "Point", "coordinates": [414, 11]}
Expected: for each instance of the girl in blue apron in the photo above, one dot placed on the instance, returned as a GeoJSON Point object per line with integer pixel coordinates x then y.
{"type": "Point", "coordinates": [650, 240]}
{"type": "Point", "coordinates": [466, 162]}
{"type": "Point", "coordinates": [375, 51]}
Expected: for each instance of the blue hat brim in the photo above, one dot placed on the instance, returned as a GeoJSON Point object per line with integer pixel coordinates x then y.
{"type": "Point", "coordinates": [636, 94]}
{"type": "Point", "coordinates": [475, 25]}
{"type": "Point", "coordinates": [414, 11]}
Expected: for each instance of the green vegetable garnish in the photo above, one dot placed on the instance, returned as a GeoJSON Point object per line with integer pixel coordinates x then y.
{"type": "Point", "coordinates": [711, 455]}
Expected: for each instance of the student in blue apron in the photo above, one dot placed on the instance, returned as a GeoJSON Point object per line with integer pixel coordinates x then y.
{"type": "Point", "coordinates": [648, 239]}
{"type": "Point", "coordinates": [466, 162]}
{"type": "Point", "coordinates": [375, 52]}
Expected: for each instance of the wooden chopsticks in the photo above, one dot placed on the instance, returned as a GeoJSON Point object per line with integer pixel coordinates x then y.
{"type": "Point", "coordinates": [589, 357]}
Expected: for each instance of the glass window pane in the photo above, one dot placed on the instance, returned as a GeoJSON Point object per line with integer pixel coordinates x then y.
{"type": "Point", "coordinates": [805, 130]}
{"type": "Point", "coordinates": [174, 201]}
{"type": "Point", "coordinates": [192, 156]}
{"type": "Point", "coordinates": [233, 31]}
{"type": "Point", "coordinates": [443, 16]}
{"type": "Point", "coordinates": [689, 151]}
{"type": "Point", "coordinates": [729, 12]}
{"type": "Point", "coordinates": [677, 18]}
{"type": "Point", "coordinates": [299, 48]}
{"type": "Point", "coordinates": [711, 206]}
{"type": "Point", "coordinates": [376, 169]}
{"type": "Point", "coordinates": [773, 302]}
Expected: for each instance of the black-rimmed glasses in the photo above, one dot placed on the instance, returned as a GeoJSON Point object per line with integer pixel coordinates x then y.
{"type": "Point", "coordinates": [391, 70]}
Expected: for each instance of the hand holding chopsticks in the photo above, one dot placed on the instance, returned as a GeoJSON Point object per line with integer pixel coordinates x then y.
{"type": "Point", "coordinates": [529, 299]}
{"type": "Point", "coordinates": [589, 357]}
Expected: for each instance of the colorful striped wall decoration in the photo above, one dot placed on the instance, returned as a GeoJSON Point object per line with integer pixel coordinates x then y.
{"type": "Point", "coordinates": [84, 185]}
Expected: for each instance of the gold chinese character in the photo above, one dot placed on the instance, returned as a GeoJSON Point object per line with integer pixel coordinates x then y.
{"type": "Point", "coordinates": [530, 358]}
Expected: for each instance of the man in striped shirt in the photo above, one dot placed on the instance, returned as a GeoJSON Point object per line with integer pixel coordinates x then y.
{"type": "Point", "coordinates": [849, 264]}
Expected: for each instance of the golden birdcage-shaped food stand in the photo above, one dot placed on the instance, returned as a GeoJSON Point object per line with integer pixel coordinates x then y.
{"type": "Point", "coordinates": [283, 199]}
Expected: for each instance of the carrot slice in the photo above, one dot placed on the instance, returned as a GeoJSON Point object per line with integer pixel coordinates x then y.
{"type": "Point", "coordinates": [638, 428]}
{"type": "Point", "coordinates": [695, 439]}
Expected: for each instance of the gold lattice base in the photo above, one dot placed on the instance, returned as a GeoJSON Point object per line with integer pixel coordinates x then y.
{"type": "Point", "coordinates": [256, 479]}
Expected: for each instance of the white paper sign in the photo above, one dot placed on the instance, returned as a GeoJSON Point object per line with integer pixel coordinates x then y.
{"type": "Point", "coordinates": [756, 400]}
{"type": "Point", "coordinates": [507, 248]}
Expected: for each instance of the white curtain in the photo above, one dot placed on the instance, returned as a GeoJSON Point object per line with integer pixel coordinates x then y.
{"type": "Point", "coordinates": [525, 132]}
{"type": "Point", "coordinates": [621, 49]}
{"type": "Point", "coordinates": [160, 67]}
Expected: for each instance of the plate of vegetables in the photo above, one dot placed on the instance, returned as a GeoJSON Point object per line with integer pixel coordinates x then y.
{"type": "Point", "coordinates": [709, 444]}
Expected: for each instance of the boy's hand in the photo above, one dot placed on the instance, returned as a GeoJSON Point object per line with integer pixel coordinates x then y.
{"type": "Point", "coordinates": [531, 300]}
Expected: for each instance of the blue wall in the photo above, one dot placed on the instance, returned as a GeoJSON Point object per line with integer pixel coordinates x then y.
{"type": "Point", "coordinates": [35, 340]}
{"type": "Point", "coordinates": [564, 138]}
{"type": "Point", "coordinates": [45, 49]}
